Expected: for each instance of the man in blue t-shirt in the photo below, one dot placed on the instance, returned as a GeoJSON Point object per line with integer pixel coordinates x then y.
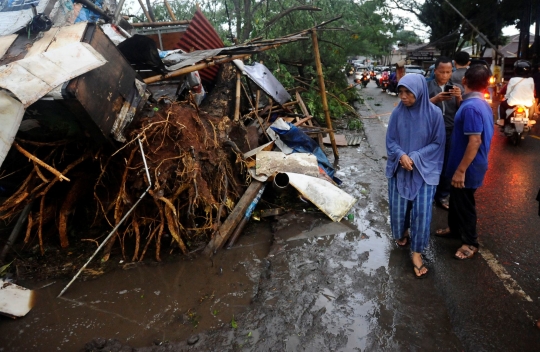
{"type": "Point", "coordinates": [468, 160]}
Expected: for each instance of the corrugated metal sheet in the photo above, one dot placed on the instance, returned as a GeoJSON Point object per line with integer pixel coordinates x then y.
{"type": "Point", "coordinates": [201, 35]}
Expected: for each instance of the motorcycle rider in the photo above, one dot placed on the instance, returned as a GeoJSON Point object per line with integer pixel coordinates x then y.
{"type": "Point", "coordinates": [519, 90]}
{"type": "Point", "coordinates": [396, 76]}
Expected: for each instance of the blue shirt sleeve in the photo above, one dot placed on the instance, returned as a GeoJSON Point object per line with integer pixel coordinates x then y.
{"type": "Point", "coordinates": [472, 122]}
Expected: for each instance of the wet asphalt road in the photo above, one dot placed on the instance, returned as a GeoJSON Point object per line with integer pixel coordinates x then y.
{"type": "Point", "coordinates": [303, 283]}
{"type": "Point", "coordinates": [493, 299]}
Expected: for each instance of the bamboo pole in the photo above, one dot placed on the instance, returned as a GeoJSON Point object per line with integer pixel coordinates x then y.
{"type": "Point", "coordinates": [145, 12]}
{"type": "Point", "coordinates": [169, 10]}
{"type": "Point", "coordinates": [193, 68]}
{"type": "Point", "coordinates": [238, 92]}
{"type": "Point", "coordinates": [323, 91]}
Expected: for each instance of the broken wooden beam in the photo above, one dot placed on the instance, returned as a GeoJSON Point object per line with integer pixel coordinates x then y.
{"type": "Point", "coordinates": [234, 218]}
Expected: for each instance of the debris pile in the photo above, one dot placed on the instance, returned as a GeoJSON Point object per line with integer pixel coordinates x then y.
{"type": "Point", "coordinates": [138, 149]}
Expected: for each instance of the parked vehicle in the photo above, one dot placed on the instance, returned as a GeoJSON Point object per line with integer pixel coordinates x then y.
{"type": "Point", "coordinates": [413, 69]}
{"type": "Point", "coordinates": [517, 124]}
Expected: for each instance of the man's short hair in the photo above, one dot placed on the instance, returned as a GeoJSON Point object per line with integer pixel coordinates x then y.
{"type": "Point", "coordinates": [442, 59]}
{"type": "Point", "coordinates": [477, 78]}
{"type": "Point", "coordinates": [462, 58]}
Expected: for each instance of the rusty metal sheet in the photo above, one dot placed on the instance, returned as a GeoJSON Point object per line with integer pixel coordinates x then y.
{"type": "Point", "coordinates": [201, 35]}
{"type": "Point", "coordinates": [269, 163]}
{"type": "Point", "coordinates": [31, 78]}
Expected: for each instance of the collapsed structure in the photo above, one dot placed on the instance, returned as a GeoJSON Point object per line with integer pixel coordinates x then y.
{"type": "Point", "coordinates": [101, 130]}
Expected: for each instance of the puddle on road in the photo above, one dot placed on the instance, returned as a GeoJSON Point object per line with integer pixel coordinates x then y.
{"type": "Point", "coordinates": [147, 304]}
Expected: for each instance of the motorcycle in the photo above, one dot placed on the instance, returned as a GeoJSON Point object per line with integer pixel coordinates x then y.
{"type": "Point", "coordinates": [365, 79]}
{"type": "Point", "coordinates": [517, 124]}
{"type": "Point", "coordinates": [384, 81]}
{"type": "Point", "coordinates": [378, 79]}
{"type": "Point", "coordinates": [372, 75]}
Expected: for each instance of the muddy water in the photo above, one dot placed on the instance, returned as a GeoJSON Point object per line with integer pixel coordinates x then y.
{"type": "Point", "coordinates": [143, 304]}
{"type": "Point", "coordinates": [300, 282]}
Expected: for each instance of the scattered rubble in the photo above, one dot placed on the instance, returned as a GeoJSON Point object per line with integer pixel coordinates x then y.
{"type": "Point", "coordinates": [110, 132]}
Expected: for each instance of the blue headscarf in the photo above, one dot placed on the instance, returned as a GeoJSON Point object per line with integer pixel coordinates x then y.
{"type": "Point", "coordinates": [417, 131]}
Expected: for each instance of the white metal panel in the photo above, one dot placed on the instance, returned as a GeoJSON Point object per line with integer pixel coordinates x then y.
{"type": "Point", "coordinates": [11, 114]}
{"type": "Point", "coordinates": [31, 78]}
{"type": "Point", "coordinates": [13, 21]}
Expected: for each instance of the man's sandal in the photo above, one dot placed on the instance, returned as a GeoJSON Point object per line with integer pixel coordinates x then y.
{"type": "Point", "coordinates": [443, 232]}
{"type": "Point", "coordinates": [468, 254]}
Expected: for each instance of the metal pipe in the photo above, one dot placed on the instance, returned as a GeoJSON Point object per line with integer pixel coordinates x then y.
{"type": "Point", "coordinates": [160, 24]}
{"type": "Point", "coordinates": [113, 231]}
{"type": "Point", "coordinates": [16, 230]}
{"type": "Point", "coordinates": [280, 182]}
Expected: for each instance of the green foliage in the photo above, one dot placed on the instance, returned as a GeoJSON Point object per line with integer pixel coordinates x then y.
{"type": "Point", "coordinates": [354, 124]}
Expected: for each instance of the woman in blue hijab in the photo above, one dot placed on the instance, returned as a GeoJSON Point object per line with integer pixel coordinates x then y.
{"type": "Point", "coordinates": [415, 146]}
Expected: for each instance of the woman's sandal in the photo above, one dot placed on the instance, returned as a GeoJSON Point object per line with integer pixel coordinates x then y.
{"type": "Point", "coordinates": [443, 232]}
{"type": "Point", "coordinates": [468, 254]}
{"type": "Point", "coordinates": [404, 244]}
{"type": "Point", "coordinates": [419, 268]}
{"type": "Point", "coordinates": [406, 237]}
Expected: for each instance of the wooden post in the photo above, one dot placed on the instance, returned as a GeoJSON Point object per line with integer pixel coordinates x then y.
{"type": "Point", "coordinates": [169, 10]}
{"type": "Point", "coordinates": [145, 11]}
{"type": "Point", "coordinates": [234, 218]}
{"type": "Point", "coordinates": [323, 91]}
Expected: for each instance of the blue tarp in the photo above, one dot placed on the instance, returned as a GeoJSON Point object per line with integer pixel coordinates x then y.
{"type": "Point", "coordinates": [300, 142]}
{"type": "Point", "coordinates": [87, 15]}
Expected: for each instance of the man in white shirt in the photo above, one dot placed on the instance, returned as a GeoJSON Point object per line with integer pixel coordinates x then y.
{"type": "Point", "coordinates": [520, 89]}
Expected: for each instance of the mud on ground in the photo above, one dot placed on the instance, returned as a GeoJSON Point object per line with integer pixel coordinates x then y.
{"type": "Point", "coordinates": [319, 283]}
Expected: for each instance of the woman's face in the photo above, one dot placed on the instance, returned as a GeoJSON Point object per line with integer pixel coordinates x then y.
{"type": "Point", "coordinates": [407, 97]}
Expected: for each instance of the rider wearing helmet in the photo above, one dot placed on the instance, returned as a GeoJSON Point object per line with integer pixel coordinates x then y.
{"type": "Point", "coordinates": [519, 90]}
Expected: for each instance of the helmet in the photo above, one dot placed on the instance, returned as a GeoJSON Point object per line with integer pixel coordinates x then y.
{"type": "Point", "coordinates": [522, 67]}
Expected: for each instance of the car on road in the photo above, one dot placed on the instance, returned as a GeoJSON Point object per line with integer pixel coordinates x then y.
{"type": "Point", "coordinates": [414, 69]}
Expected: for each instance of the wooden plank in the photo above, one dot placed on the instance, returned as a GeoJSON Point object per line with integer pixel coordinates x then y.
{"type": "Point", "coordinates": [341, 141]}
{"type": "Point", "coordinates": [42, 44]}
{"type": "Point", "coordinates": [68, 35]}
{"type": "Point", "coordinates": [308, 119]}
{"type": "Point", "coordinates": [5, 43]}
{"type": "Point", "coordinates": [234, 218]}
{"type": "Point", "coordinates": [303, 108]}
